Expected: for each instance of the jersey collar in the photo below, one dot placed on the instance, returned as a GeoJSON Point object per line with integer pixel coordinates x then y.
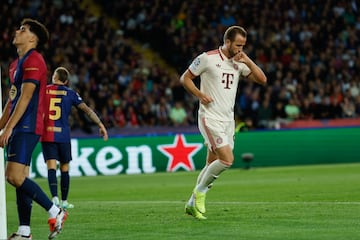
{"type": "Point", "coordinates": [222, 55]}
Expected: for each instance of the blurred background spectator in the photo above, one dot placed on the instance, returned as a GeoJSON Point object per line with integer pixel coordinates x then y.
{"type": "Point", "coordinates": [125, 56]}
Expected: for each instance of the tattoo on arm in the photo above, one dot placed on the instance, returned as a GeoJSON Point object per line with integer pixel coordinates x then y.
{"type": "Point", "coordinates": [92, 115]}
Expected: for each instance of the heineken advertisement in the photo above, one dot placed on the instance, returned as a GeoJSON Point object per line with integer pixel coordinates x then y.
{"type": "Point", "coordinates": [137, 155]}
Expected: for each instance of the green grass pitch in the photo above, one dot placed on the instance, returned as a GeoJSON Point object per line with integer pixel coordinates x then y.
{"type": "Point", "coordinates": [280, 203]}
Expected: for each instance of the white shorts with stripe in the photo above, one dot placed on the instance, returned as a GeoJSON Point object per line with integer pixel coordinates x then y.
{"type": "Point", "coordinates": [217, 133]}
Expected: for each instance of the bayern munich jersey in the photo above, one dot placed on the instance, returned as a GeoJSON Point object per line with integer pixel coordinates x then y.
{"type": "Point", "coordinates": [59, 101]}
{"type": "Point", "coordinates": [219, 78]}
{"type": "Point", "coordinates": [30, 68]}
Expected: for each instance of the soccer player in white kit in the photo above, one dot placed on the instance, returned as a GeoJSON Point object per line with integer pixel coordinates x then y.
{"type": "Point", "coordinates": [220, 71]}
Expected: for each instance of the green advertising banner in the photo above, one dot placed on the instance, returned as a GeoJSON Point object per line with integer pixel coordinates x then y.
{"type": "Point", "coordinates": [179, 152]}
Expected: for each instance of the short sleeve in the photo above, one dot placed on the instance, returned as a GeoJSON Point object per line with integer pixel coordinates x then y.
{"type": "Point", "coordinates": [76, 98]}
{"type": "Point", "coordinates": [245, 71]}
{"type": "Point", "coordinates": [199, 64]}
{"type": "Point", "coordinates": [32, 69]}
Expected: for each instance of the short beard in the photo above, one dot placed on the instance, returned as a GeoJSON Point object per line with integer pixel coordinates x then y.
{"type": "Point", "coordinates": [232, 53]}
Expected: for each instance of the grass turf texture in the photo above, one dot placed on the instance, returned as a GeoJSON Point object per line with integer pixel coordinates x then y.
{"type": "Point", "coordinates": [306, 202]}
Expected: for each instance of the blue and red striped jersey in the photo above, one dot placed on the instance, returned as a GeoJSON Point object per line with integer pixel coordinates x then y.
{"type": "Point", "coordinates": [59, 100]}
{"type": "Point", "coordinates": [30, 68]}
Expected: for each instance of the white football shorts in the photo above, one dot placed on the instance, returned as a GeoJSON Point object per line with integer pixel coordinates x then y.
{"type": "Point", "coordinates": [217, 133]}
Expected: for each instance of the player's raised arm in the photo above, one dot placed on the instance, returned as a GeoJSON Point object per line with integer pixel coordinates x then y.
{"type": "Point", "coordinates": [257, 75]}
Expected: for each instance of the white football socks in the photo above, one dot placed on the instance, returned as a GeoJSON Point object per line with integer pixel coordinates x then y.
{"type": "Point", "coordinates": [24, 230]}
{"type": "Point", "coordinates": [207, 176]}
{"type": "Point", "coordinates": [211, 173]}
{"type": "Point", "coordinates": [53, 211]}
{"type": "Point", "coordinates": [201, 174]}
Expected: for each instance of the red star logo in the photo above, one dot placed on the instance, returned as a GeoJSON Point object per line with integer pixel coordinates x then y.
{"type": "Point", "coordinates": [180, 153]}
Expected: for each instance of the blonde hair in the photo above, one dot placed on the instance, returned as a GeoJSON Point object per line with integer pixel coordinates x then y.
{"type": "Point", "coordinates": [63, 74]}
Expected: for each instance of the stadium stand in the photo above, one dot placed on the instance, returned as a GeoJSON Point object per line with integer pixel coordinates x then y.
{"type": "Point", "coordinates": [308, 49]}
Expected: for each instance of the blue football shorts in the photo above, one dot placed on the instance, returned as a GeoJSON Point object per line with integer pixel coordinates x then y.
{"type": "Point", "coordinates": [21, 146]}
{"type": "Point", "coordinates": [58, 151]}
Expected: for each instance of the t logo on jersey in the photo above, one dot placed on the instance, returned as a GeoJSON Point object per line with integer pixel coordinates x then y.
{"type": "Point", "coordinates": [227, 78]}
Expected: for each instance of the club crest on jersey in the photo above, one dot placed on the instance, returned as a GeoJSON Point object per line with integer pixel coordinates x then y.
{"type": "Point", "coordinates": [12, 92]}
{"type": "Point", "coordinates": [236, 67]}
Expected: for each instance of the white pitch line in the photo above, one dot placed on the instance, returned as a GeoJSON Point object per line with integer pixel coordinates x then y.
{"type": "Point", "coordinates": [226, 203]}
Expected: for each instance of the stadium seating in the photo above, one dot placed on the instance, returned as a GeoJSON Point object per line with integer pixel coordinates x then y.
{"type": "Point", "coordinates": [309, 51]}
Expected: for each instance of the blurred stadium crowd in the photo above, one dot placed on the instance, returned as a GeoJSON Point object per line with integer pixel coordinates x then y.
{"type": "Point", "coordinates": [308, 49]}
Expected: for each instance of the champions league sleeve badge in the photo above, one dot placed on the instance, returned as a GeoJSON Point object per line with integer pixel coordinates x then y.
{"type": "Point", "coordinates": [197, 62]}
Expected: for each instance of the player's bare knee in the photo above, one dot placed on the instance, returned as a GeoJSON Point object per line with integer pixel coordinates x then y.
{"type": "Point", "coordinates": [14, 179]}
{"type": "Point", "coordinates": [64, 167]}
{"type": "Point", "coordinates": [227, 162]}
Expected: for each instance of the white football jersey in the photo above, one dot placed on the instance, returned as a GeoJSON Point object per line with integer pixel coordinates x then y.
{"type": "Point", "coordinates": [219, 78]}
